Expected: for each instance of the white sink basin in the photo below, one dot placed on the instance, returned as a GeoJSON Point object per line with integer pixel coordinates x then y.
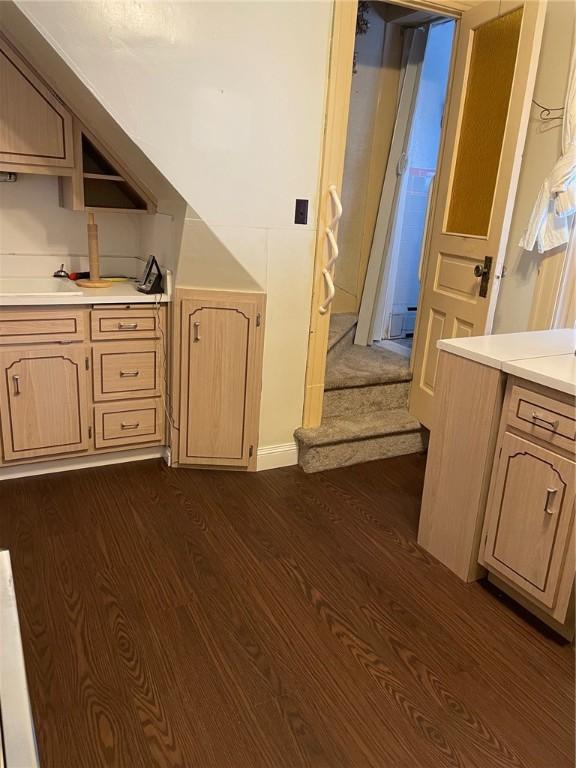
{"type": "Point", "coordinates": [38, 286]}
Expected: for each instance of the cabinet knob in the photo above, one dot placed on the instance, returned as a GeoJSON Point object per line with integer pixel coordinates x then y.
{"type": "Point", "coordinates": [16, 381]}
{"type": "Point", "coordinates": [196, 331]}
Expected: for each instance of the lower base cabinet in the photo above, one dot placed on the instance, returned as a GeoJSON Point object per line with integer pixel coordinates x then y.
{"type": "Point", "coordinates": [43, 400]}
{"type": "Point", "coordinates": [221, 339]}
{"type": "Point", "coordinates": [69, 388]}
{"type": "Point", "coordinates": [530, 518]}
{"type": "Point", "coordinates": [528, 532]}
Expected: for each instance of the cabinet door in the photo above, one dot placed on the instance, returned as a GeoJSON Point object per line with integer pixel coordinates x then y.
{"type": "Point", "coordinates": [530, 517]}
{"type": "Point", "coordinates": [43, 401]}
{"type": "Point", "coordinates": [220, 382]}
{"type": "Point", "coordinates": [36, 128]}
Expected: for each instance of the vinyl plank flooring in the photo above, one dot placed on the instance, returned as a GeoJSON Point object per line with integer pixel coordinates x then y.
{"type": "Point", "coordinates": [273, 620]}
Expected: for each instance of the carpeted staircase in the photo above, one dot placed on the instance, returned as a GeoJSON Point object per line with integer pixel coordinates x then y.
{"type": "Point", "coordinates": [365, 406]}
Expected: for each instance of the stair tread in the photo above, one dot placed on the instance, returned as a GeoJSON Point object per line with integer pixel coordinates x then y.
{"type": "Point", "coordinates": [358, 366]}
{"type": "Point", "coordinates": [339, 429]}
{"type": "Point", "coordinates": [340, 325]}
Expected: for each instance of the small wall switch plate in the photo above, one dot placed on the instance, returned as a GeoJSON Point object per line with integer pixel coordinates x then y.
{"type": "Point", "coordinates": [301, 212]}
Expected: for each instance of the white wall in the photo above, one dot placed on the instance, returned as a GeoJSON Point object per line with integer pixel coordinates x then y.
{"type": "Point", "coordinates": [227, 100]}
{"type": "Point", "coordinates": [32, 223]}
{"type": "Point", "coordinates": [542, 149]}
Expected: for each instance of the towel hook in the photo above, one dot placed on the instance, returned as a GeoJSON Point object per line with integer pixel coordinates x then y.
{"type": "Point", "coordinates": [546, 112]}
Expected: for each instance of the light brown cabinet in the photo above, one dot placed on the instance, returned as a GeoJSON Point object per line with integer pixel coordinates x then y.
{"type": "Point", "coordinates": [220, 378]}
{"type": "Point", "coordinates": [36, 128]}
{"type": "Point", "coordinates": [43, 399]}
{"type": "Point", "coordinates": [529, 518]}
{"type": "Point", "coordinates": [499, 491]}
{"type": "Point", "coordinates": [528, 532]}
{"type": "Point", "coordinates": [61, 394]}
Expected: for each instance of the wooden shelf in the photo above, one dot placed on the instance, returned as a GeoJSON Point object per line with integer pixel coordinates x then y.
{"type": "Point", "coordinates": [103, 176]}
{"type": "Point", "coordinates": [100, 183]}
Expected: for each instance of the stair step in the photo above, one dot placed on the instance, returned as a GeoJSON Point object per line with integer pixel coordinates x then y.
{"type": "Point", "coordinates": [320, 458]}
{"type": "Point", "coordinates": [341, 442]}
{"type": "Point", "coordinates": [357, 366]}
{"type": "Point", "coordinates": [352, 401]}
{"type": "Point", "coordinates": [342, 329]}
{"type": "Point", "coordinates": [344, 429]}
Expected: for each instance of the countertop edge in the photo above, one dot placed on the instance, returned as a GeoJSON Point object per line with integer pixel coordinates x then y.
{"type": "Point", "coordinates": [69, 300]}
{"type": "Point", "coordinates": [514, 368]}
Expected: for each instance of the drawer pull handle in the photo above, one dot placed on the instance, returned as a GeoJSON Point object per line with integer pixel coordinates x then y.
{"type": "Point", "coordinates": [126, 374]}
{"type": "Point", "coordinates": [127, 326]}
{"type": "Point", "coordinates": [125, 425]}
{"type": "Point", "coordinates": [550, 495]}
{"type": "Point", "coordinates": [16, 380]}
{"type": "Point", "coordinates": [551, 422]}
{"type": "Point", "coordinates": [196, 331]}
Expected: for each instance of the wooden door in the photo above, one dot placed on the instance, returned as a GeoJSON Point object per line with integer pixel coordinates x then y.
{"type": "Point", "coordinates": [219, 381]}
{"type": "Point", "coordinates": [36, 128]}
{"type": "Point", "coordinates": [495, 63]}
{"type": "Point", "coordinates": [530, 517]}
{"type": "Point", "coordinates": [43, 402]}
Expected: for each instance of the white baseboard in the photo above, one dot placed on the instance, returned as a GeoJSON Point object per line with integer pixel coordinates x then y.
{"type": "Point", "coordinates": [274, 456]}
{"type": "Point", "coordinates": [80, 462]}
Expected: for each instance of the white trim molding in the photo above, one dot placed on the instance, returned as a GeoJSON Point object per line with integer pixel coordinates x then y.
{"type": "Point", "coordinates": [274, 456]}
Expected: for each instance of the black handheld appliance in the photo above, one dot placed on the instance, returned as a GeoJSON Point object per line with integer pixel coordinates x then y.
{"type": "Point", "coordinates": [151, 281]}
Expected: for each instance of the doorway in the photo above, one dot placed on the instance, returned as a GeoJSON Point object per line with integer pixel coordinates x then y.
{"type": "Point", "coordinates": [492, 77]}
{"type": "Point", "coordinates": [398, 94]}
{"type": "Point", "coordinates": [393, 311]}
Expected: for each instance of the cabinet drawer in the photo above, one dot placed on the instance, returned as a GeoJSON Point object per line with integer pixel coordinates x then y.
{"type": "Point", "coordinates": [127, 423]}
{"type": "Point", "coordinates": [125, 324]}
{"type": "Point", "coordinates": [48, 325]}
{"type": "Point", "coordinates": [127, 370]}
{"type": "Point", "coordinates": [540, 416]}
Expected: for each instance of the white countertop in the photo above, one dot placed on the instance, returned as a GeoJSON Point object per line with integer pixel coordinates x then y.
{"type": "Point", "coordinates": [556, 371]}
{"type": "Point", "coordinates": [36, 291]}
{"type": "Point", "coordinates": [544, 357]}
{"type": "Point", "coordinates": [499, 348]}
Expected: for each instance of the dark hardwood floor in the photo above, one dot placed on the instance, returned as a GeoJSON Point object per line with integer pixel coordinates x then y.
{"type": "Point", "coordinates": [275, 620]}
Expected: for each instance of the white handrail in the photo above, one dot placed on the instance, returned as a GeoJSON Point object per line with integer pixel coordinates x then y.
{"type": "Point", "coordinates": [331, 292]}
{"type": "Point", "coordinates": [334, 248]}
{"type": "Point", "coordinates": [337, 205]}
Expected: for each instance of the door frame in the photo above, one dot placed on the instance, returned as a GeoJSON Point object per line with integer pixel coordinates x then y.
{"type": "Point", "coordinates": [332, 170]}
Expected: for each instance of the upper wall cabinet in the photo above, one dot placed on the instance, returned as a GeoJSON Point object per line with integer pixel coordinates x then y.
{"type": "Point", "coordinates": [35, 127]}
{"type": "Point", "coordinates": [100, 182]}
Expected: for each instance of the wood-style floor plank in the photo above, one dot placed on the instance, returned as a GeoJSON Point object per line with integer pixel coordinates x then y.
{"type": "Point", "coordinates": [274, 620]}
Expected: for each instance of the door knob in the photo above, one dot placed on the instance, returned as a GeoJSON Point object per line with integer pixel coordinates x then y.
{"type": "Point", "coordinates": [483, 271]}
